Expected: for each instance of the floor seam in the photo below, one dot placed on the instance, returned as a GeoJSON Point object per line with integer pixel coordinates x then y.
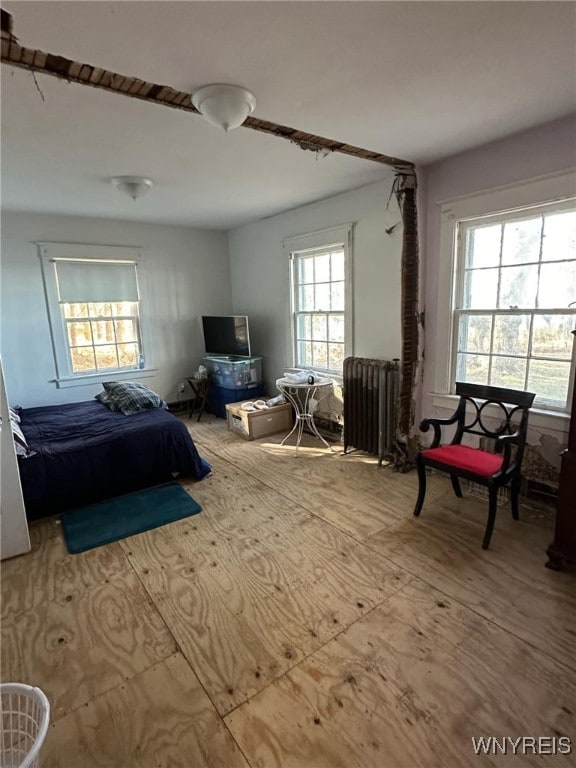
{"type": "Point", "coordinates": [320, 647]}
{"type": "Point", "coordinates": [56, 718]}
{"type": "Point", "coordinates": [366, 542]}
{"type": "Point", "coordinates": [475, 611]}
{"type": "Point", "coordinates": [180, 650]}
{"type": "Point", "coordinates": [299, 503]}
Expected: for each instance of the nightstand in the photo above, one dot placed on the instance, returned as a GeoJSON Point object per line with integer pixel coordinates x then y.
{"type": "Point", "coordinates": [200, 390]}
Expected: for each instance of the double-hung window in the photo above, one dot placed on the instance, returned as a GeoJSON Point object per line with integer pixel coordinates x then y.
{"type": "Point", "coordinates": [321, 299]}
{"type": "Point", "coordinates": [93, 300]}
{"type": "Point", "coordinates": [515, 301]}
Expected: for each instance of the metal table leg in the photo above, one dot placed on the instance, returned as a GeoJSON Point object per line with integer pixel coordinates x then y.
{"type": "Point", "coordinates": [302, 411]}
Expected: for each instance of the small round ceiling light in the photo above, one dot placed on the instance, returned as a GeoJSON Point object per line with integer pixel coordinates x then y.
{"type": "Point", "coordinates": [133, 186]}
{"type": "Point", "coordinates": [226, 106]}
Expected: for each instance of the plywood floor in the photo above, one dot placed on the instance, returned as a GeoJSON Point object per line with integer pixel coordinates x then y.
{"type": "Point", "coordinates": [305, 619]}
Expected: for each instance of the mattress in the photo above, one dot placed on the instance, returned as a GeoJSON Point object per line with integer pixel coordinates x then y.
{"type": "Point", "coordinates": [83, 452]}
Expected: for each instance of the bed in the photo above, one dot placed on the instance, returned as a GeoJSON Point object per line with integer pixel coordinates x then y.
{"type": "Point", "coordinates": [84, 452]}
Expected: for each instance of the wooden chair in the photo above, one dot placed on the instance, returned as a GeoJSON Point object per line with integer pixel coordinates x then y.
{"type": "Point", "coordinates": [493, 470]}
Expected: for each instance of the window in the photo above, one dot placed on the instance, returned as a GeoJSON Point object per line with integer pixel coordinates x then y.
{"type": "Point", "coordinates": [320, 317]}
{"type": "Point", "coordinates": [93, 301]}
{"type": "Point", "coordinates": [102, 336]}
{"type": "Point", "coordinates": [516, 281]}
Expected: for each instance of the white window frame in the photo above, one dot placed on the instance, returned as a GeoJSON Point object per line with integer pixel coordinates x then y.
{"type": "Point", "coordinates": [459, 311]}
{"type": "Point", "coordinates": [324, 238]}
{"type": "Point", "coordinates": [48, 253]}
{"type": "Point", "coordinates": [535, 193]}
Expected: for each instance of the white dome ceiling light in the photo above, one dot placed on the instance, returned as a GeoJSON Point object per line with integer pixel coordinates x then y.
{"type": "Point", "coordinates": [133, 186]}
{"type": "Point", "coordinates": [226, 106]}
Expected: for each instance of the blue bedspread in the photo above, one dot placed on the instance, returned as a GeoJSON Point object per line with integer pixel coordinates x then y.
{"type": "Point", "coordinates": [84, 452]}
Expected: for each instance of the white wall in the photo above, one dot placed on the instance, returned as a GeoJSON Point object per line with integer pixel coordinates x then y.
{"type": "Point", "coordinates": [260, 274]}
{"type": "Point", "coordinates": [187, 274]}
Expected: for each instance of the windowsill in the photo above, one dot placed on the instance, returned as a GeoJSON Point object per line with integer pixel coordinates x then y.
{"type": "Point", "coordinates": [98, 378]}
{"type": "Point", "coordinates": [539, 417]}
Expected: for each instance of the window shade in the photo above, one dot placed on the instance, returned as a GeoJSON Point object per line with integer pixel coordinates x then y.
{"type": "Point", "coordinates": [97, 281]}
{"type": "Point", "coordinates": [311, 252]}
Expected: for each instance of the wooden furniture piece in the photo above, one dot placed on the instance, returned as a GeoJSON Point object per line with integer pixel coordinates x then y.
{"type": "Point", "coordinates": [200, 390]}
{"type": "Point", "coordinates": [563, 547]}
{"type": "Point", "coordinates": [500, 407]}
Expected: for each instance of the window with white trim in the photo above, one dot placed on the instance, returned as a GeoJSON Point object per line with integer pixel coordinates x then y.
{"type": "Point", "coordinates": [321, 298]}
{"type": "Point", "coordinates": [93, 299]}
{"type": "Point", "coordinates": [514, 287]}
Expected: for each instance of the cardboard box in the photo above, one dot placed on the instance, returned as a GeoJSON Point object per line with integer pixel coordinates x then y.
{"type": "Point", "coordinates": [252, 425]}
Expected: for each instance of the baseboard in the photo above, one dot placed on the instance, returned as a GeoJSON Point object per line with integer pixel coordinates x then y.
{"type": "Point", "coordinates": [180, 406]}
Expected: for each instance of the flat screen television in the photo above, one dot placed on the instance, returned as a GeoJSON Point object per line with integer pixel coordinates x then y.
{"type": "Point", "coordinates": [226, 335]}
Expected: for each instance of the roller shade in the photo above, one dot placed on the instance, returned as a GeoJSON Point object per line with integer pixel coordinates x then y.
{"type": "Point", "coordinates": [96, 281]}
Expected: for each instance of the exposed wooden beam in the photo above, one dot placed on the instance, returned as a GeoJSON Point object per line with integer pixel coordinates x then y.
{"type": "Point", "coordinates": [85, 74]}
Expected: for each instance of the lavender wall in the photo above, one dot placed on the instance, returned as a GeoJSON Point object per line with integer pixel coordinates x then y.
{"type": "Point", "coordinates": [540, 151]}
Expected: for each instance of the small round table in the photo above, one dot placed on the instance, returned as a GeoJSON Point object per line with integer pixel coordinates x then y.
{"type": "Point", "coordinates": [302, 396]}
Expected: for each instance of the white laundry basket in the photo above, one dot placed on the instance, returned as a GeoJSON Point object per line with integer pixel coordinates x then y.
{"type": "Point", "coordinates": [25, 712]}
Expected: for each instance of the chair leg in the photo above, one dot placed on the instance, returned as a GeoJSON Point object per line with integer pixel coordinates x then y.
{"type": "Point", "coordinates": [514, 493]}
{"type": "Point", "coordinates": [456, 485]}
{"type": "Point", "coordinates": [421, 468]}
{"type": "Point", "coordinates": [493, 498]}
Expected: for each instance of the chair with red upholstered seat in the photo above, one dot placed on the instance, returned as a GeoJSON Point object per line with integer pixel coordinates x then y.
{"type": "Point", "coordinates": [503, 416]}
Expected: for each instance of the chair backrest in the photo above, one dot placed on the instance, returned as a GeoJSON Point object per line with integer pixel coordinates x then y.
{"type": "Point", "coordinates": [509, 407]}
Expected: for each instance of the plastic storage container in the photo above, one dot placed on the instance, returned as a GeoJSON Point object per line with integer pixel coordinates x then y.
{"type": "Point", "coordinates": [219, 397]}
{"type": "Point", "coordinates": [25, 714]}
{"type": "Point", "coordinates": [234, 372]}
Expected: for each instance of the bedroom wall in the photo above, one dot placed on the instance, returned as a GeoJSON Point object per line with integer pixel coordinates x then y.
{"type": "Point", "coordinates": [545, 150]}
{"type": "Point", "coordinates": [187, 274]}
{"type": "Point", "coordinates": [260, 274]}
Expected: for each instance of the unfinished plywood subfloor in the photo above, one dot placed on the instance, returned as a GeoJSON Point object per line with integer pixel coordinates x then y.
{"type": "Point", "coordinates": [304, 619]}
{"type": "Point", "coordinates": [408, 685]}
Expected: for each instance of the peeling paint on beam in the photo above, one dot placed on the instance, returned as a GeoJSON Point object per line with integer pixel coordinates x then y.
{"type": "Point", "coordinates": [66, 69]}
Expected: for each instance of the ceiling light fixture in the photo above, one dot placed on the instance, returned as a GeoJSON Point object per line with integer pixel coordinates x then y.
{"type": "Point", "coordinates": [226, 106]}
{"type": "Point", "coordinates": [133, 186]}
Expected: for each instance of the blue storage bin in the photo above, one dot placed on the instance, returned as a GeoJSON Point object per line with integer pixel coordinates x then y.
{"type": "Point", "coordinates": [234, 371]}
{"type": "Point", "coordinates": [219, 397]}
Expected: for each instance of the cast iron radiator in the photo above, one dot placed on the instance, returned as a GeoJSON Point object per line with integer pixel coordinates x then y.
{"type": "Point", "coordinates": [370, 394]}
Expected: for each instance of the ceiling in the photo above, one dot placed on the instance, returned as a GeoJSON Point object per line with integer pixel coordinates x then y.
{"type": "Point", "coordinates": [416, 80]}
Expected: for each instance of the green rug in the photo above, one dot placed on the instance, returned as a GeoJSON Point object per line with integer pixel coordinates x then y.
{"type": "Point", "coordinates": [97, 524]}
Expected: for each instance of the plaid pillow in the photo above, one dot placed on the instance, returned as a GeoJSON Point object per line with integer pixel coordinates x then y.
{"type": "Point", "coordinates": [20, 442]}
{"type": "Point", "coordinates": [128, 397]}
{"type": "Point", "coordinates": [14, 414]}
{"type": "Point", "coordinates": [104, 398]}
